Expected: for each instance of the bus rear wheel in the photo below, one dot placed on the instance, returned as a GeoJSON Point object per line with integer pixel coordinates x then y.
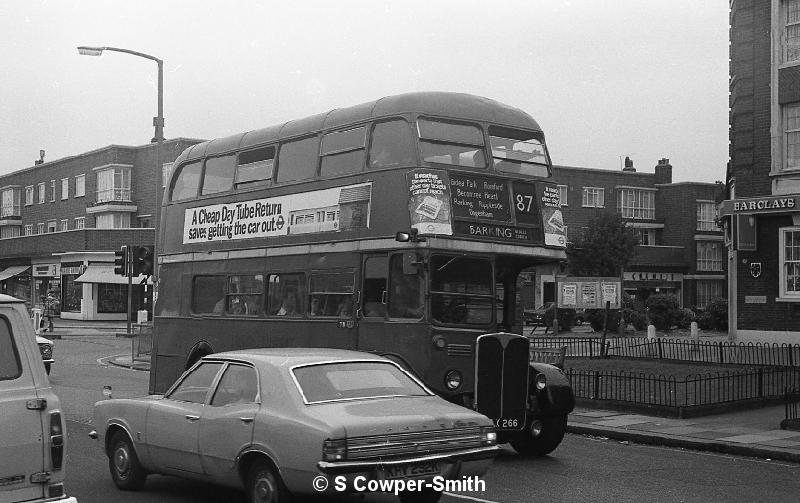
{"type": "Point", "coordinates": [541, 436]}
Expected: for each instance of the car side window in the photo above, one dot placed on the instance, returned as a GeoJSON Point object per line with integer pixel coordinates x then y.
{"type": "Point", "coordinates": [239, 385]}
{"type": "Point", "coordinates": [195, 386]}
{"type": "Point", "coordinates": [10, 366]}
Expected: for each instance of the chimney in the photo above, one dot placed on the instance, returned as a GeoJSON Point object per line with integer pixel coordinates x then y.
{"type": "Point", "coordinates": [628, 168]}
{"type": "Point", "coordinates": [663, 171]}
{"type": "Point", "coordinates": [41, 158]}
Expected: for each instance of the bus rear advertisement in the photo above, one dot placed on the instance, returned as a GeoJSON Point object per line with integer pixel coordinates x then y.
{"type": "Point", "coordinates": [404, 227]}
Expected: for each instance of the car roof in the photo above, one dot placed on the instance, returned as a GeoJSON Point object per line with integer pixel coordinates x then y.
{"type": "Point", "coordinates": [290, 357]}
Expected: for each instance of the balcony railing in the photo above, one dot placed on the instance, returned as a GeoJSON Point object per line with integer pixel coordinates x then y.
{"type": "Point", "coordinates": [104, 196]}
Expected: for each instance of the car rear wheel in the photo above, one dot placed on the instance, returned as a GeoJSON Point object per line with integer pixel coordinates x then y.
{"type": "Point", "coordinates": [426, 495]}
{"type": "Point", "coordinates": [126, 471]}
{"type": "Point", "coordinates": [264, 485]}
{"type": "Point", "coordinates": [541, 436]}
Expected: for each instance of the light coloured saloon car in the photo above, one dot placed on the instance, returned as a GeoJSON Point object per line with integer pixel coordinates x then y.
{"type": "Point", "coordinates": [273, 421]}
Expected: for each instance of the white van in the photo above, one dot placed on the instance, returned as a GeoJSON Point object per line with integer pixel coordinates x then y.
{"type": "Point", "coordinates": [32, 430]}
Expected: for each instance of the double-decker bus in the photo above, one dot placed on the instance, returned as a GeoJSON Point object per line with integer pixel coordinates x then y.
{"type": "Point", "coordinates": [398, 227]}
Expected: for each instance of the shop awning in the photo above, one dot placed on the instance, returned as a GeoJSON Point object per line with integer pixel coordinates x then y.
{"type": "Point", "coordinates": [12, 271]}
{"type": "Point", "coordinates": [104, 273]}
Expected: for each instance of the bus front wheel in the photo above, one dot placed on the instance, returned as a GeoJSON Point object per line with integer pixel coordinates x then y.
{"type": "Point", "coordinates": [541, 435]}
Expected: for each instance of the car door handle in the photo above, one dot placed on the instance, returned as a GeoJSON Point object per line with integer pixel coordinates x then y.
{"type": "Point", "coordinates": [246, 419]}
{"type": "Point", "coordinates": [192, 418]}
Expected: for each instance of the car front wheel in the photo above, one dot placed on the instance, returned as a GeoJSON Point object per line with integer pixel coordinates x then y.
{"type": "Point", "coordinates": [541, 436]}
{"type": "Point", "coordinates": [126, 471]}
{"type": "Point", "coordinates": [264, 485]}
{"type": "Point", "coordinates": [426, 495]}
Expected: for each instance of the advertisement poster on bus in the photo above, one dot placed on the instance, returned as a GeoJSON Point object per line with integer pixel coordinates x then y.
{"type": "Point", "coordinates": [552, 218]}
{"type": "Point", "coordinates": [429, 202]}
{"type": "Point", "coordinates": [334, 209]}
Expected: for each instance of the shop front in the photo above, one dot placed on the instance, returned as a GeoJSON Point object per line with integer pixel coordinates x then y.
{"type": "Point", "coordinates": [47, 288]}
{"type": "Point", "coordinates": [640, 285]}
{"type": "Point", "coordinates": [105, 294]}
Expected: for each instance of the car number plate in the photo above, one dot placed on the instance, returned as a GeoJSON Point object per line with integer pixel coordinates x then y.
{"type": "Point", "coordinates": [415, 470]}
{"type": "Point", "coordinates": [509, 423]}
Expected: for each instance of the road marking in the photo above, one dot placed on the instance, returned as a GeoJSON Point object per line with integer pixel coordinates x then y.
{"type": "Point", "coordinates": [471, 498]}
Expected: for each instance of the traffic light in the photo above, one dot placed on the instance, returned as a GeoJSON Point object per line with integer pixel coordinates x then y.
{"type": "Point", "coordinates": [142, 261]}
{"type": "Point", "coordinates": [121, 261]}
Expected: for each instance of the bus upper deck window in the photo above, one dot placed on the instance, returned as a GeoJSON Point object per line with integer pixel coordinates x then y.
{"type": "Point", "coordinates": [187, 181]}
{"type": "Point", "coordinates": [297, 160]}
{"type": "Point", "coordinates": [392, 145]}
{"type": "Point", "coordinates": [255, 166]}
{"type": "Point", "coordinates": [343, 152]}
{"type": "Point", "coordinates": [520, 152]}
{"type": "Point", "coordinates": [218, 176]}
{"type": "Point", "coordinates": [450, 143]}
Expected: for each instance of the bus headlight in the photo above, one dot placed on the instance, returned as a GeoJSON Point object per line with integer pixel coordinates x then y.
{"type": "Point", "coordinates": [452, 380]}
{"type": "Point", "coordinates": [540, 382]}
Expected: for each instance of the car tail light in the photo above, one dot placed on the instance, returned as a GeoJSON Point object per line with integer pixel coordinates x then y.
{"type": "Point", "coordinates": [488, 436]}
{"type": "Point", "coordinates": [56, 440]}
{"type": "Point", "coordinates": [334, 450]}
{"type": "Point", "coordinates": [46, 350]}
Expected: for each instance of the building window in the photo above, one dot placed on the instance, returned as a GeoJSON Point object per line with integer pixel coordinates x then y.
{"type": "Point", "coordinates": [647, 237]}
{"type": "Point", "coordinates": [113, 184]}
{"type": "Point", "coordinates": [10, 203]}
{"type": "Point", "coordinates": [64, 224]}
{"type": "Point", "coordinates": [41, 193]}
{"type": "Point", "coordinates": [64, 188]}
{"type": "Point", "coordinates": [593, 197]}
{"type": "Point", "coordinates": [52, 226]}
{"type": "Point", "coordinates": [166, 171]}
{"type": "Point", "coordinates": [789, 251]}
{"type": "Point", "coordinates": [792, 42]}
{"type": "Point", "coordinates": [562, 194]}
{"type": "Point", "coordinates": [113, 221]}
{"type": "Point", "coordinates": [29, 230]}
{"type": "Point", "coordinates": [638, 204]}
{"type": "Point", "coordinates": [80, 185]}
{"type": "Point", "coordinates": [80, 222]}
{"type": "Point", "coordinates": [29, 195]}
{"type": "Point", "coordinates": [709, 255]}
{"type": "Point", "coordinates": [791, 131]}
{"type": "Point", "coordinates": [52, 191]}
{"type": "Point", "coordinates": [707, 291]}
{"type": "Point", "coordinates": [9, 231]}
{"type": "Point", "coordinates": [40, 228]}
{"type": "Point", "coordinates": [706, 216]}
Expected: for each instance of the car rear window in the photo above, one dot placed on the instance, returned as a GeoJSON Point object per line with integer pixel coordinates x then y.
{"type": "Point", "coordinates": [10, 367]}
{"type": "Point", "coordinates": [354, 380]}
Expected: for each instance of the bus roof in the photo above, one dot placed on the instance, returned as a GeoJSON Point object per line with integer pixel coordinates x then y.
{"type": "Point", "coordinates": [447, 104]}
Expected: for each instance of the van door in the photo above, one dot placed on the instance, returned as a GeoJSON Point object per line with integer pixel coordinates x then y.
{"type": "Point", "coordinates": [21, 424]}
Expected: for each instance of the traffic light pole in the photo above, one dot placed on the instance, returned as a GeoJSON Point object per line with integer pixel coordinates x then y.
{"type": "Point", "coordinates": [129, 270]}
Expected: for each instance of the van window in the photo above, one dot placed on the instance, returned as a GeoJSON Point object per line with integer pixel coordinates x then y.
{"type": "Point", "coordinates": [297, 160]}
{"type": "Point", "coordinates": [10, 367]}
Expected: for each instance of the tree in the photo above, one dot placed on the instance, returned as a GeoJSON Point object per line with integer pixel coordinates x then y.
{"type": "Point", "coordinates": [606, 246]}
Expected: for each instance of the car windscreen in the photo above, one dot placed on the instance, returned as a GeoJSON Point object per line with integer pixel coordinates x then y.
{"type": "Point", "coordinates": [354, 380]}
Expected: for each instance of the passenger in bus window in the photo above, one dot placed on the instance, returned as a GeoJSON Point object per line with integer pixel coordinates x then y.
{"type": "Point", "coordinates": [406, 301]}
{"type": "Point", "coordinates": [288, 305]}
{"type": "Point", "coordinates": [345, 309]}
{"type": "Point", "coordinates": [315, 306]}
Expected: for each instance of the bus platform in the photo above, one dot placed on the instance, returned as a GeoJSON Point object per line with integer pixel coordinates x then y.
{"type": "Point", "coordinates": [754, 432]}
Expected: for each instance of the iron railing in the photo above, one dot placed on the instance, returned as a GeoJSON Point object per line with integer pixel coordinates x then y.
{"type": "Point", "coordinates": [791, 400]}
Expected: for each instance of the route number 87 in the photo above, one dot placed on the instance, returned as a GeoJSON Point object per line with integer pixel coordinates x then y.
{"type": "Point", "coordinates": [524, 203]}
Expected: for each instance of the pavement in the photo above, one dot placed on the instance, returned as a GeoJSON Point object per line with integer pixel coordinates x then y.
{"type": "Point", "coordinates": [753, 432]}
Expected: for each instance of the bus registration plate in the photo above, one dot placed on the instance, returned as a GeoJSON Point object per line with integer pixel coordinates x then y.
{"type": "Point", "coordinates": [411, 471]}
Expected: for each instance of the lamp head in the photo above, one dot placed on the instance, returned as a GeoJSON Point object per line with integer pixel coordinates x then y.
{"type": "Point", "coordinates": [90, 51]}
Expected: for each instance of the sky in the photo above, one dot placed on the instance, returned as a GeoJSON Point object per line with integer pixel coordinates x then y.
{"type": "Point", "coordinates": [604, 80]}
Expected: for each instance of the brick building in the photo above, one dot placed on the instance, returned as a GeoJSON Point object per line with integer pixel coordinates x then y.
{"type": "Point", "coordinates": [681, 250]}
{"type": "Point", "coordinates": [61, 221]}
{"type": "Point", "coordinates": [762, 212]}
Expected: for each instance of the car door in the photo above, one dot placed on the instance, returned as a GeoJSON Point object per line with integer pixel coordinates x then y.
{"type": "Point", "coordinates": [226, 427]}
{"type": "Point", "coordinates": [173, 423]}
{"type": "Point", "coordinates": [21, 445]}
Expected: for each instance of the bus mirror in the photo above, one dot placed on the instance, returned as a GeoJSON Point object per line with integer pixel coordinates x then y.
{"type": "Point", "coordinates": [410, 263]}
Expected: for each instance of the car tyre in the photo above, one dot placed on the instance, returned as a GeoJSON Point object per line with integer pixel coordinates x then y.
{"type": "Point", "coordinates": [541, 436]}
{"type": "Point", "coordinates": [264, 485]}
{"type": "Point", "coordinates": [127, 473]}
{"type": "Point", "coordinates": [426, 495]}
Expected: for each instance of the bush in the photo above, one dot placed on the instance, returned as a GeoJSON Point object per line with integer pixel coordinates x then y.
{"type": "Point", "coordinates": [664, 311]}
{"type": "Point", "coordinates": [566, 318]}
{"type": "Point", "coordinates": [715, 316]}
{"type": "Point", "coordinates": [685, 318]}
{"type": "Point", "coordinates": [636, 318]}
{"type": "Point", "coordinates": [595, 319]}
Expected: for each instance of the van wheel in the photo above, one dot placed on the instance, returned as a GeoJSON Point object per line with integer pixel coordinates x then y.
{"type": "Point", "coordinates": [123, 463]}
{"type": "Point", "coordinates": [264, 485]}
{"type": "Point", "coordinates": [541, 436]}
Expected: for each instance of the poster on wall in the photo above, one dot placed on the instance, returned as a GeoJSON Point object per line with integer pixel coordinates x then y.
{"type": "Point", "coordinates": [429, 202]}
{"type": "Point", "coordinates": [334, 209]}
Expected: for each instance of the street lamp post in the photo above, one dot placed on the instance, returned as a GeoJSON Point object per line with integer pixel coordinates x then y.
{"type": "Point", "coordinates": [158, 122]}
